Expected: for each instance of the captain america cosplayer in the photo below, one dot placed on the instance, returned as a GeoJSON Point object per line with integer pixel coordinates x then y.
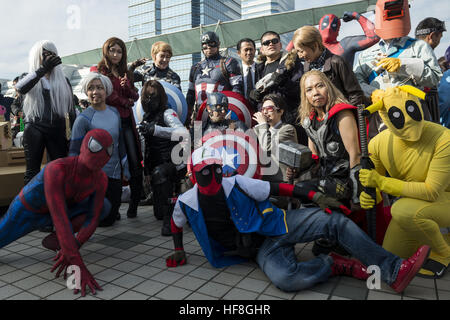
{"type": "Point", "coordinates": [213, 74]}
{"type": "Point", "coordinates": [68, 193]}
{"type": "Point", "coordinates": [233, 219]}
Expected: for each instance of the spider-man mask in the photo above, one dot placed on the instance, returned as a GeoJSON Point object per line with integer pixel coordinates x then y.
{"type": "Point", "coordinates": [96, 149]}
{"type": "Point", "coordinates": [329, 27]}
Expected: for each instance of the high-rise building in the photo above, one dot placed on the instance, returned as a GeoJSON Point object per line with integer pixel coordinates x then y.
{"type": "Point", "coordinates": [258, 8]}
{"type": "Point", "coordinates": [147, 18]}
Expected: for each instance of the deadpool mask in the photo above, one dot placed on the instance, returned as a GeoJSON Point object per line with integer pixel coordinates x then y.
{"type": "Point", "coordinates": [329, 28]}
{"type": "Point", "coordinates": [209, 178]}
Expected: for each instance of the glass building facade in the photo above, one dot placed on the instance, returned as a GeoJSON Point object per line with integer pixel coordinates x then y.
{"type": "Point", "coordinates": [258, 8]}
{"type": "Point", "coordinates": [147, 18]}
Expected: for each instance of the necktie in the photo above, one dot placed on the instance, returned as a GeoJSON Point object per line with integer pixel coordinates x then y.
{"type": "Point", "coordinates": [249, 81]}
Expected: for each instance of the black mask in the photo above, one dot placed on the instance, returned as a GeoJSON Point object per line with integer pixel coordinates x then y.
{"type": "Point", "coordinates": [151, 104]}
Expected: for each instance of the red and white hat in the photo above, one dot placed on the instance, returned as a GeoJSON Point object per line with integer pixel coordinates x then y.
{"type": "Point", "coordinates": [205, 156]}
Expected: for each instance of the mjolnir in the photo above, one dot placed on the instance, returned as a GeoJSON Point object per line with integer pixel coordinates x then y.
{"type": "Point", "coordinates": [295, 156]}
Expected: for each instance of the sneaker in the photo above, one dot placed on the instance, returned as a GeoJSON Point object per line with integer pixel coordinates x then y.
{"type": "Point", "coordinates": [348, 267]}
{"type": "Point", "coordinates": [409, 268]}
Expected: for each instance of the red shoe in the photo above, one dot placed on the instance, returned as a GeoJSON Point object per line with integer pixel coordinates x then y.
{"type": "Point", "coordinates": [348, 267]}
{"type": "Point", "coordinates": [409, 268]}
{"type": "Point", "coordinates": [51, 242]}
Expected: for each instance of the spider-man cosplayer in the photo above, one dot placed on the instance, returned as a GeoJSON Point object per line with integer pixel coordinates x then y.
{"type": "Point", "coordinates": [329, 27]}
{"type": "Point", "coordinates": [70, 194]}
{"type": "Point", "coordinates": [233, 220]}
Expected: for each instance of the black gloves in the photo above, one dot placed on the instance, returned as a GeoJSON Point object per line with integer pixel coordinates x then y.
{"type": "Point", "coordinates": [146, 129]}
{"type": "Point", "coordinates": [50, 62]}
{"type": "Point", "coordinates": [349, 16]}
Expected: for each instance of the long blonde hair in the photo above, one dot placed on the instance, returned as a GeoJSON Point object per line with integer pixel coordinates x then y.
{"type": "Point", "coordinates": [308, 36]}
{"type": "Point", "coordinates": [334, 95]}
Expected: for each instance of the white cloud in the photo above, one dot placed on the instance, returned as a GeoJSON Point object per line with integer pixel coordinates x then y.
{"type": "Point", "coordinates": [26, 22]}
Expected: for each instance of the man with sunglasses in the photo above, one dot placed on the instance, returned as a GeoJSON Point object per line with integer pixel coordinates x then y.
{"type": "Point", "coordinates": [278, 72]}
{"type": "Point", "coordinates": [213, 74]}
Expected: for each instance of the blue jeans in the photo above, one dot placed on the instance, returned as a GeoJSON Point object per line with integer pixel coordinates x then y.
{"type": "Point", "coordinates": [277, 258]}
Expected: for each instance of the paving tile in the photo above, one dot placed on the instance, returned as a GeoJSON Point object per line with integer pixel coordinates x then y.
{"type": "Point", "coordinates": [127, 266]}
{"type": "Point", "coordinates": [8, 291]}
{"type": "Point", "coordinates": [189, 283]}
{"type": "Point", "coordinates": [239, 294]}
{"type": "Point", "coordinates": [214, 289]}
{"type": "Point", "coordinates": [14, 276]}
{"type": "Point", "coordinates": [339, 298]}
{"type": "Point", "coordinates": [146, 271]}
{"type": "Point", "coordinates": [204, 273]}
{"type": "Point", "coordinates": [199, 296]}
{"type": "Point", "coordinates": [64, 295]}
{"type": "Point", "coordinates": [167, 277]}
{"type": "Point", "coordinates": [30, 282]}
{"type": "Point", "coordinates": [253, 285]}
{"type": "Point", "coordinates": [173, 293]}
{"type": "Point", "coordinates": [310, 295]}
{"type": "Point", "coordinates": [5, 269]}
{"type": "Point", "coordinates": [325, 287]}
{"type": "Point", "coordinates": [380, 295]}
{"type": "Point", "coordinates": [423, 282]}
{"type": "Point", "coordinates": [37, 267]}
{"type": "Point", "coordinates": [150, 287]}
{"type": "Point", "coordinates": [128, 281]}
{"type": "Point", "coordinates": [109, 262]}
{"type": "Point", "coordinates": [132, 295]}
{"type": "Point", "coordinates": [443, 295]}
{"type": "Point", "coordinates": [240, 269]}
{"type": "Point", "coordinates": [420, 292]}
{"type": "Point", "coordinates": [110, 291]}
{"type": "Point", "coordinates": [274, 291]}
{"type": "Point", "coordinates": [350, 292]}
{"type": "Point", "coordinates": [24, 296]}
{"type": "Point", "coordinates": [46, 289]}
{"type": "Point", "coordinates": [258, 274]}
{"type": "Point", "coordinates": [266, 297]}
{"type": "Point", "coordinates": [109, 275]}
{"type": "Point", "coordinates": [228, 278]}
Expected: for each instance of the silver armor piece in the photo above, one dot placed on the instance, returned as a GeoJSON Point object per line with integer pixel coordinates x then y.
{"type": "Point", "coordinates": [333, 148]}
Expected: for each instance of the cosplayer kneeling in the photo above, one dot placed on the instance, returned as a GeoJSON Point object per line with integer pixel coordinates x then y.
{"type": "Point", "coordinates": [416, 155]}
{"type": "Point", "coordinates": [70, 194]}
{"type": "Point", "coordinates": [233, 219]}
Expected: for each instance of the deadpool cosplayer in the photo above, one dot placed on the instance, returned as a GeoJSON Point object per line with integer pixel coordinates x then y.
{"type": "Point", "coordinates": [68, 193]}
{"type": "Point", "coordinates": [329, 27]}
{"type": "Point", "coordinates": [159, 124]}
{"type": "Point", "coordinates": [233, 219]}
{"type": "Point", "coordinates": [214, 74]}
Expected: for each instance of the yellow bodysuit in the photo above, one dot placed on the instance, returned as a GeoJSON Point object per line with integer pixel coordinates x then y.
{"type": "Point", "coordinates": [416, 156]}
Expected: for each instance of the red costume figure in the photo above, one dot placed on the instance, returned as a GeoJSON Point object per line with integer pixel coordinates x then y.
{"type": "Point", "coordinates": [329, 27]}
{"type": "Point", "coordinates": [70, 194]}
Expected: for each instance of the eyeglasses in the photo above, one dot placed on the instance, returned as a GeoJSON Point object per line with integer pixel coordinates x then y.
{"type": "Point", "coordinates": [269, 109]}
{"type": "Point", "coordinates": [271, 41]}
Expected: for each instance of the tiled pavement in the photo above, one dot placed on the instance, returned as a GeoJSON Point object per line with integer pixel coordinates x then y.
{"type": "Point", "coordinates": [128, 261]}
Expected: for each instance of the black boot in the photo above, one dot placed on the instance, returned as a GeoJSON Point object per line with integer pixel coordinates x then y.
{"type": "Point", "coordinates": [135, 187]}
{"type": "Point", "coordinates": [166, 230]}
{"type": "Point", "coordinates": [132, 209]}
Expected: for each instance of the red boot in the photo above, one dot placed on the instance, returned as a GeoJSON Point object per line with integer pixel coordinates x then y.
{"type": "Point", "coordinates": [348, 267]}
{"type": "Point", "coordinates": [409, 268]}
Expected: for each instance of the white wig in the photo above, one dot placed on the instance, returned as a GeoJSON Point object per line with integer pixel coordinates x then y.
{"type": "Point", "coordinates": [107, 84]}
{"type": "Point", "coordinates": [60, 91]}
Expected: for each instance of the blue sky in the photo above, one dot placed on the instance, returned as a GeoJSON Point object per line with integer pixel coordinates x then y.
{"type": "Point", "coordinates": [80, 25]}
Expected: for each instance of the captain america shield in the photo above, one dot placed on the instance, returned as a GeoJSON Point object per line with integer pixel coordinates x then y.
{"type": "Point", "coordinates": [175, 100]}
{"type": "Point", "coordinates": [240, 109]}
{"type": "Point", "coordinates": [238, 150]}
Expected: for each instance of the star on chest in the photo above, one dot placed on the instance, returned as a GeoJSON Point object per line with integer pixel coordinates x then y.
{"type": "Point", "coordinates": [206, 71]}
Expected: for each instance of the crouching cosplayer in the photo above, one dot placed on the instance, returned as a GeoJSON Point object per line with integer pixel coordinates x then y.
{"type": "Point", "coordinates": [233, 220]}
